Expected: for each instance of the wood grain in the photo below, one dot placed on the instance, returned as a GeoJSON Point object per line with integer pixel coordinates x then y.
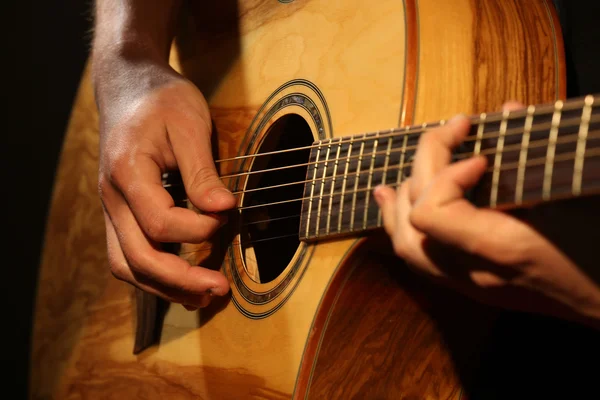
{"type": "Point", "coordinates": [392, 335]}
{"type": "Point", "coordinates": [533, 63]}
{"type": "Point", "coordinates": [354, 52]}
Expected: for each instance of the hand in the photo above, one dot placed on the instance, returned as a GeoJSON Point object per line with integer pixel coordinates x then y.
{"type": "Point", "coordinates": [485, 253]}
{"type": "Point", "coordinates": [153, 120]}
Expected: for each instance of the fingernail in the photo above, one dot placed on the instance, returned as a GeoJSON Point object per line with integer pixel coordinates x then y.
{"type": "Point", "coordinates": [219, 194]}
{"type": "Point", "coordinates": [190, 308]}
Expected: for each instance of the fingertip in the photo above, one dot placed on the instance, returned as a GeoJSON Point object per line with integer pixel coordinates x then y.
{"type": "Point", "coordinates": [512, 106]}
{"type": "Point", "coordinates": [212, 282]}
{"type": "Point", "coordinates": [221, 199]}
{"type": "Point", "coordinates": [382, 194]}
{"type": "Point", "coordinates": [458, 127]}
{"type": "Point", "coordinates": [457, 120]}
{"type": "Point", "coordinates": [467, 172]}
{"type": "Point", "coordinates": [221, 287]}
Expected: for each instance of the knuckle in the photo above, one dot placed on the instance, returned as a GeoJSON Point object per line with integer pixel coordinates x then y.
{"type": "Point", "coordinates": [156, 228]}
{"type": "Point", "coordinates": [202, 175]}
{"type": "Point", "coordinates": [118, 170]}
{"type": "Point", "coordinates": [478, 246]}
{"type": "Point", "coordinates": [421, 216]}
{"type": "Point", "coordinates": [103, 185]}
{"type": "Point", "coordinates": [117, 270]}
{"type": "Point", "coordinates": [401, 249]}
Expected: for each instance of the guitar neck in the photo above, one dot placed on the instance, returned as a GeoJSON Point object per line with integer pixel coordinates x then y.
{"type": "Point", "coordinates": [537, 154]}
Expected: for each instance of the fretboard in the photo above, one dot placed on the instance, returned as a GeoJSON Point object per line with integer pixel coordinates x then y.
{"type": "Point", "coordinates": [537, 154]}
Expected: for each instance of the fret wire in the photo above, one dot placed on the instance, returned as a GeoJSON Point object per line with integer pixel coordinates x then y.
{"type": "Point", "coordinates": [490, 135]}
{"type": "Point", "coordinates": [480, 127]}
{"type": "Point", "coordinates": [383, 179]}
{"type": "Point", "coordinates": [312, 189]}
{"type": "Point", "coordinates": [551, 150]}
{"type": "Point", "coordinates": [335, 167]}
{"type": "Point", "coordinates": [564, 139]}
{"type": "Point", "coordinates": [401, 163]}
{"type": "Point", "coordinates": [344, 185]}
{"type": "Point", "coordinates": [581, 144]}
{"type": "Point", "coordinates": [571, 104]}
{"type": "Point", "coordinates": [322, 189]}
{"type": "Point", "coordinates": [370, 178]}
{"type": "Point", "coordinates": [498, 159]}
{"type": "Point", "coordinates": [360, 157]}
{"type": "Point", "coordinates": [523, 154]}
{"type": "Point", "coordinates": [595, 152]}
{"type": "Point", "coordinates": [570, 138]}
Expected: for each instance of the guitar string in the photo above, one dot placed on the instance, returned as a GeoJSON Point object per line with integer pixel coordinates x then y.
{"type": "Point", "coordinates": [406, 165]}
{"type": "Point", "coordinates": [508, 167]}
{"type": "Point", "coordinates": [565, 139]}
{"type": "Point", "coordinates": [513, 115]}
{"type": "Point", "coordinates": [487, 135]}
{"type": "Point", "coordinates": [534, 162]}
{"type": "Point", "coordinates": [537, 161]}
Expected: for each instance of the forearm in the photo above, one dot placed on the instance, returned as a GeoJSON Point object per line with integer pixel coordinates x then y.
{"type": "Point", "coordinates": [130, 51]}
{"type": "Point", "coordinates": [134, 28]}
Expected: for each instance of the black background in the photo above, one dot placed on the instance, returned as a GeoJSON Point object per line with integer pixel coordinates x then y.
{"type": "Point", "coordinates": [45, 48]}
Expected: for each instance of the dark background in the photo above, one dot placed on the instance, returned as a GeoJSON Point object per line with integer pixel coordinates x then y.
{"type": "Point", "coordinates": [46, 45]}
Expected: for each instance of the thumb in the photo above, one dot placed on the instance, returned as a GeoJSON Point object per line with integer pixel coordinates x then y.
{"type": "Point", "coordinates": [192, 149]}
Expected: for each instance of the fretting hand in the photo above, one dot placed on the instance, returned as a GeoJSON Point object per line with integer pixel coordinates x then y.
{"type": "Point", "coordinates": [485, 253]}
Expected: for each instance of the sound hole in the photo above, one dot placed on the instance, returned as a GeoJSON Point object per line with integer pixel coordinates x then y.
{"type": "Point", "coordinates": [269, 234]}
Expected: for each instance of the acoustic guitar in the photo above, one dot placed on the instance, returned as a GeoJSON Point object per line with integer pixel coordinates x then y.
{"type": "Point", "coordinates": [315, 310]}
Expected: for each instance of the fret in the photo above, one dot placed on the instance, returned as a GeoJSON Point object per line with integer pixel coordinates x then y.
{"type": "Point", "coordinates": [345, 180]}
{"type": "Point", "coordinates": [319, 208]}
{"type": "Point", "coordinates": [523, 155]}
{"type": "Point", "coordinates": [312, 190]}
{"type": "Point", "coordinates": [401, 163]}
{"type": "Point", "coordinates": [551, 150]}
{"type": "Point", "coordinates": [498, 159]}
{"type": "Point", "coordinates": [581, 144]}
{"type": "Point", "coordinates": [384, 176]}
{"type": "Point", "coordinates": [538, 153]}
{"type": "Point", "coordinates": [369, 182]}
{"type": "Point", "coordinates": [479, 138]}
{"type": "Point", "coordinates": [356, 180]}
{"type": "Point", "coordinates": [335, 168]}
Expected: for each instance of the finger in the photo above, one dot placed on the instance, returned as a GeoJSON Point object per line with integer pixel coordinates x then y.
{"type": "Point", "coordinates": [512, 106]}
{"type": "Point", "coordinates": [154, 208]}
{"type": "Point", "coordinates": [410, 241]}
{"type": "Point", "coordinates": [191, 144]}
{"type": "Point", "coordinates": [120, 270]}
{"type": "Point", "coordinates": [385, 197]}
{"type": "Point", "coordinates": [434, 152]}
{"type": "Point", "coordinates": [163, 268]}
{"type": "Point", "coordinates": [443, 214]}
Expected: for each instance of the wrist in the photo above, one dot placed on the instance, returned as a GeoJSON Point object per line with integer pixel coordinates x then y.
{"type": "Point", "coordinates": [121, 77]}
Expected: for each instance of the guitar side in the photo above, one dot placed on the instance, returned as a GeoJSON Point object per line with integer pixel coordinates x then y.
{"type": "Point", "coordinates": [363, 67]}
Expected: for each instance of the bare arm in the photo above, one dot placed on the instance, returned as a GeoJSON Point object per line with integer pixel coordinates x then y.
{"type": "Point", "coordinates": [152, 120]}
{"type": "Point", "coordinates": [132, 38]}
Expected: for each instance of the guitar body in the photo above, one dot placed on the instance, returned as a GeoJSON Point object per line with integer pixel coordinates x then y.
{"type": "Point", "coordinates": [318, 320]}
